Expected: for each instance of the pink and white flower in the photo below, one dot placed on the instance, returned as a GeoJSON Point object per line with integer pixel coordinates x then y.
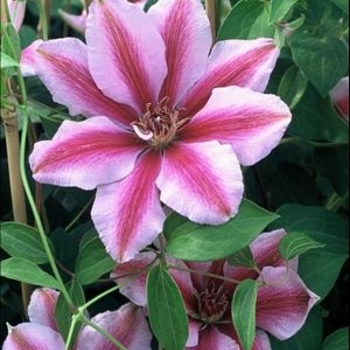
{"type": "Point", "coordinates": [166, 122]}
{"type": "Point", "coordinates": [283, 300]}
{"type": "Point", "coordinates": [127, 324]}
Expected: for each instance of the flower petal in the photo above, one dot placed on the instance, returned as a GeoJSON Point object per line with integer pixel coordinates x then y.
{"type": "Point", "coordinates": [253, 123]}
{"type": "Point", "coordinates": [131, 285]}
{"type": "Point", "coordinates": [265, 250]}
{"type": "Point", "coordinates": [283, 302]}
{"type": "Point", "coordinates": [183, 281]}
{"type": "Point", "coordinates": [128, 214]}
{"type": "Point", "coordinates": [194, 327]}
{"type": "Point", "coordinates": [74, 87]}
{"type": "Point", "coordinates": [34, 337]}
{"type": "Point", "coordinates": [261, 341]}
{"type": "Point", "coordinates": [340, 97]}
{"type": "Point", "coordinates": [211, 338]}
{"type": "Point", "coordinates": [28, 58]}
{"type": "Point", "coordinates": [209, 190]}
{"type": "Point", "coordinates": [17, 11]}
{"type": "Point", "coordinates": [245, 63]}
{"type": "Point", "coordinates": [77, 22]}
{"type": "Point", "coordinates": [128, 325]}
{"type": "Point", "coordinates": [126, 53]}
{"type": "Point", "coordinates": [85, 154]}
{"type": "Point", "coordinates": [185, 30]}
{"type": "Point", "coordinates": [41, 309]}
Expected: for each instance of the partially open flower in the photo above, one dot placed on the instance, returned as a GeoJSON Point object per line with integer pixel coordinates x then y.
{"type": "Point", "coordinates": [340, 97]}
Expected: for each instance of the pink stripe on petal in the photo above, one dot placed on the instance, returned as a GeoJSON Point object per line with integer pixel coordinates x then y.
{"type": "Point", "coordinates": [283, 302]}
{"type": "Point", "coordinates": [32, 336]}
{"type": "Point", "coordinates": [134, 288]}
{"type": "Point", "coordinates": [185, 30]}
{"type": "Point", "coordinates": [128, 325]}
{"type": "Point", "coordinates": [245, 63]}
{"type": "Point", "coordinates": [63, 67]}
{"type": "Point", "coordinates": [253, 123]}
{"type": "Point", "coordinates": [41, 309]}
{"type": "Point", "coordinates": [128, 214]}
{"type": "Point", "coordinates": [201, 181]}
{"type": "Point", "coordinates": [85, 154]}
{"type": "Point", "coordinates": [126, 53]}
{"type": "Point", "coordinates": [211, 338]}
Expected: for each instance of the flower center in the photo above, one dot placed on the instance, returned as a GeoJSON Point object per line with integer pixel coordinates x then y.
{"type": "Point", "coordinates": [212, 303]}
{"type": "Point", "coordinates": [159, 124]}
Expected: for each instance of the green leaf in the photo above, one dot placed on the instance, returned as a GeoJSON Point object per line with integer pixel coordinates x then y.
{"type": "Point", "coordinates": [323, 60]}
{"type": "Point", "coordinates": [243, 310]}
{"type": "Point", "coordinates": [247, 20]}
{"type": "Point", "coordinates": [23, 270]}
{"type": "Point", "coordinates": [7, 61]}
{"type": "Point", "coordinates": [63, 314]}
{"type": "Point", "coordinates": [92, 261]}
{"type": "Point", "coordinates": [296, 243]}
{"type": "Point", "coordinates": [204, 242]}
{"type": "Point", "coordinates": [243, 257]}
{"type": "Point", "coordinates": [292, 86]}
{"type": "Point", "coordinates": [320, 224]}
{"type": "Point", "coordinates": [10, 44]}
{"type": "Point", "coordinates": [308, 338]}
{"type": "Point", "coordinates": [342, 4]}
{"type": "Point", "coordinates": [166, 310]}
{"type": "Point", "coordinates": [339, 340]}
{"type": "Point", "coordinates": [279, 8]}
{"type": "Point", "coordinates": [319, 270]}
{"type": "Point", "coordinates": [22, 241]}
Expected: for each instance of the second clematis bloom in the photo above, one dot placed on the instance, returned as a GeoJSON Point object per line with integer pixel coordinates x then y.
{"type": "Point", "coordinates": [169, 120]}
{"type": "Point", "coordinates": [282, 305]}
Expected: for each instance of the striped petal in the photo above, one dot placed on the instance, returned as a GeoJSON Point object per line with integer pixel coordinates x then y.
{"type": "Point", "coordinates": [85, 154]}
{"type": "Point", "coordinates": [211, 338]}
{"type": "Point", "coordinates": [253, 123]}
{"type": "Point", "coordinates": [185, 30]}
{"type": "Point", "coordinates": [283, 302]}
{"type": "Point", "coordinates": [33, 336]}
{"type": "Point", "coordinates": [132, 276]}
{"type": "Point", "coordinates": [126, 53]}
{"type": "Point", "coordinates": [261, 341]}
{"type": "Point", "coordinates": [209, 190]}
{"type": "Point", "coordinates": [128, 214]}
{"type": "Point", "coordinates": [265, 250]}
{"type": "Point", "coordinates": [41, 309]}
{"type": "Point", "coordinates": [245, 63]}
{"type": "Point", "coordinates": [62, 65]}
{"type": "Point", "coordinates": [128, 325]}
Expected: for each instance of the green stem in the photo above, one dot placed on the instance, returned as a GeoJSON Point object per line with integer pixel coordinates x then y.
{"type": "Point", "coordinates": [77, 217]}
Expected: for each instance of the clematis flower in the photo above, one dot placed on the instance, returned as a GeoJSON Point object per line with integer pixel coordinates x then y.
{"type": "Point", "coordinates": [340, 97]}
{"type": "Point", "coordinates": [283, 300]}
{"type": "Point", "coordinates": [78, 22]}
{"type": "Point", "coordinates": [127, 324]}
{"type": "Point", "coordinates": [166, 122]}
{"type": "Point", "coordinates": [17, 12]}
